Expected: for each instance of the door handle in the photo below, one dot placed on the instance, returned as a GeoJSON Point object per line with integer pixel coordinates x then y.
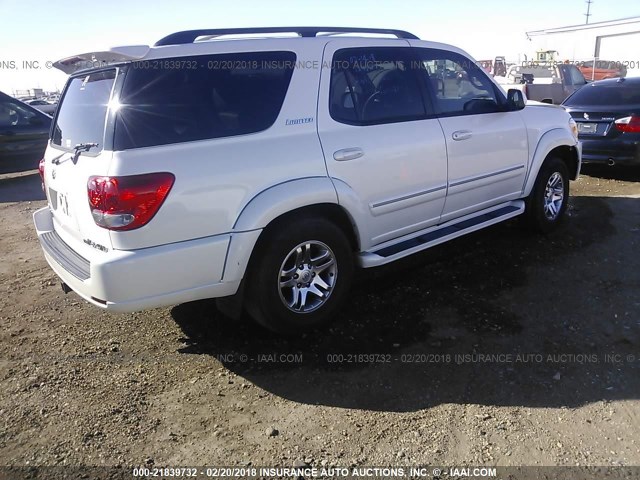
{"type": "Point", "coordinates": [461, 135]}
{"type": "Point", "coordinates": [348, 154]}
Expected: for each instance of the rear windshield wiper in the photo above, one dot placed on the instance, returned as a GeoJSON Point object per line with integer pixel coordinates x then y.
{"type": "Point", "coordinates": [77, 150]}
{"type": "Point", "coordinates": [82, 147]}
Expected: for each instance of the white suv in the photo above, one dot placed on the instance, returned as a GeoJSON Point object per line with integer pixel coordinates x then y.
{"type": "Point", "coordinates": [261, 171]}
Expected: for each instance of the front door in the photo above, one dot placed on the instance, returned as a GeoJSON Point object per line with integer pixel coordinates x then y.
{"type": "Point", "coordinates": [487, 146]}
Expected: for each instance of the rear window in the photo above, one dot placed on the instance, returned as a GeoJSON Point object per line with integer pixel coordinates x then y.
{"type": "Point", "coordinates": [374, 85]}
{"type": "Point", "coordinates": [572, 75]}
{"type": "Point", "coordinates": [614, 93]}
{"type": "Point", "coordinates": [185, 99]}
{"type": "Point", "coordinates": [83, 112]}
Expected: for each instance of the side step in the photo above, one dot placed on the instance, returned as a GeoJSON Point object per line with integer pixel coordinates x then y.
{"type": "Point", "coordinates": [404, 246]}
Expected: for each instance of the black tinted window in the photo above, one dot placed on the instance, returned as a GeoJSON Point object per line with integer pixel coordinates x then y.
{"type": "Point", "coordinates": [572, 76]}
{"type": "Point", "coordinates": [460, 85]}
{"type": "Point", "coordinates": [201, 97]}
{"type": "Point", "coordinates": [374, 85]}
{"type": "Point", "coordinates": [83, 111]}
{"type": "Point", "coordinates": [614, 93]}
{"type": "Point", "coordinates": [13, 114]}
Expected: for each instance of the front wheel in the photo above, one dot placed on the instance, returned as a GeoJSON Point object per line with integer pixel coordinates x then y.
{"type": "Point", "coordinates": [300, 276]}
{"type": "Point", "coordinates": [547, 203]}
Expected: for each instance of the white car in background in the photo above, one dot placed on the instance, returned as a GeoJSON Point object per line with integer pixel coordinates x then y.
{"type": "Point", "coordinates": [43, 105]}
{"type": "Point", "coordinates": [261, 171]}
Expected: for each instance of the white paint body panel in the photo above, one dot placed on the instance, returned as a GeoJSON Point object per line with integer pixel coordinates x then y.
{"type": "Point", "coordinates": [409, 177]}
{"type": "Point", "coordinates": [487, 168]}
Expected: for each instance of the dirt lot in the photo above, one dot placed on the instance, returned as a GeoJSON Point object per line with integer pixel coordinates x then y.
{"type": "Point", "coordinates": [444, 386]}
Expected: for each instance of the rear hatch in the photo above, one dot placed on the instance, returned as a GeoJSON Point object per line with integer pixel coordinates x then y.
{"type": "Point", "coordinates": [80, 147]}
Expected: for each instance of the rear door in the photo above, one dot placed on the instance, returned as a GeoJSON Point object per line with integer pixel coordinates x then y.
{"type": "Point", "coordinates": [81, 119]}
{"type": "Point", "coordinates": [380, 139]}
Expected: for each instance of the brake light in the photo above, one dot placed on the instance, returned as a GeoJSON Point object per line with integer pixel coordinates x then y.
{"type": "Point", "coordinates": [129, 202]}
{"type": "Point", "coordinates": [41, 172]}
{"type": "Point", "coordinates": [628, 124]}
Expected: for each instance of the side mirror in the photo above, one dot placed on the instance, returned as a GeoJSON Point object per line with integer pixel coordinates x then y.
{"type": "Point", "coordinates": [515, 99]}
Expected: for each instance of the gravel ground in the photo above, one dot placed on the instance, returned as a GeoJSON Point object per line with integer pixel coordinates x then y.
{"type": "Point", "coordinates": [501, 348]}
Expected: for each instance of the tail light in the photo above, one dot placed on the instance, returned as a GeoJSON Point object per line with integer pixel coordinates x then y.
{"type": "Point", "coordinates": [628, 124]}
{"type": "Point", "coordinates": [41, 172]}
{"type": "Point", "coordinates": [129, 202]}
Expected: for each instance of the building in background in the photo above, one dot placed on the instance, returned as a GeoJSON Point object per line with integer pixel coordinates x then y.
{"type": "Point", "coordinates": [606, 43]}
{"type": "Point", "coordinates": [29, 93]}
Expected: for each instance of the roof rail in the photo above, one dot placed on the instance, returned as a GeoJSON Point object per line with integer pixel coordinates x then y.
{"type": "Point", "coordinates": [189, 36]}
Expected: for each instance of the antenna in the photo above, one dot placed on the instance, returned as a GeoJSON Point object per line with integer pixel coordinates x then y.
{"type": "Point", "coordinates": [588, 14]}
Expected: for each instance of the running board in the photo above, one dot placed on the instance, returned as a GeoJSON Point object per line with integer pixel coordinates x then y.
{"type": "Point", "coordinates": [404, 246]}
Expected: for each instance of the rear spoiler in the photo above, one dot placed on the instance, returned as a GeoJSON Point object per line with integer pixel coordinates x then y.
{"type": "Point", "coordinates": [91, 60]}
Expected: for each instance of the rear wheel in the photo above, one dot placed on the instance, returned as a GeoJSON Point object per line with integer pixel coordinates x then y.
{"type": "Point", "coordinates": [547, 203]}
{"type": "Point", "coordinates": [300, 275]}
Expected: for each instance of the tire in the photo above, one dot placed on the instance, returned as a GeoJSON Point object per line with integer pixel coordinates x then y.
{"type": "Point", "coordinates": [546, 205]}
{"type": "Point", "coordinates": [288, 299]}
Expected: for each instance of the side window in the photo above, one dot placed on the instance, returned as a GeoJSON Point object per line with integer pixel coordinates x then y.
{"type": "Point", "coordinates": [459, 85]}
{"type": "Point", "coordinates": [572, 75]}
{"type": "Point", "coordinates": [12, 114]}
{"type": "Point", "coordinates": [201, 97]}
{"type": "Point", "coordinates": [374, 85]}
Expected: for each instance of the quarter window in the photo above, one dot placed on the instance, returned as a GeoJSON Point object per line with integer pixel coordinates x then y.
{"type": "Point", "coordinates": [175, 100]}
{"type": "Point", "coordinates": [374, 85]}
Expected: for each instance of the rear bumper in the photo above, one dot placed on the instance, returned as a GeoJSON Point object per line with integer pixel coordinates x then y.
{"type": "Point", "coordinates": [620, 151]}
{"type": "Point", "coordinates": [126, 281]}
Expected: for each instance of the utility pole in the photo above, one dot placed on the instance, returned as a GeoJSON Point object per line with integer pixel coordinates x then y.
{"type": "Point", "coordinates": [588, 14]}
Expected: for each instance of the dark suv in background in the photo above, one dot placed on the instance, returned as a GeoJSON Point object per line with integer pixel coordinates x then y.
{"type": "Point", "coordinates": [24, 132]}
{"type": "Point", "coordinates": [607, 113]}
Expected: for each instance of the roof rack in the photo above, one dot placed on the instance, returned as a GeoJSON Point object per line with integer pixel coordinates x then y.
{"type": "Point", "coordinates": [189, 36]}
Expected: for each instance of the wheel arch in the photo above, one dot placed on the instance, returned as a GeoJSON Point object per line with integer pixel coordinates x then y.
{"type": "Point", "coordinates": [569, 155]}
{"type": "Point", "coordinates": [281, 203]}
{"type": "Point", "coordinates": [329, 211]}
{"type": "Point", "coordinates": [553, 143]}
{"type": "Point", "coordinates": [282, 198]}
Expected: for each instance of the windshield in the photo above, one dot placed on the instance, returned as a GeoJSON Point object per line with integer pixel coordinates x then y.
{"type": "Point", "coordinates": [83, 111]}
{"type": "Point", "coordinates": [614, 94]}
